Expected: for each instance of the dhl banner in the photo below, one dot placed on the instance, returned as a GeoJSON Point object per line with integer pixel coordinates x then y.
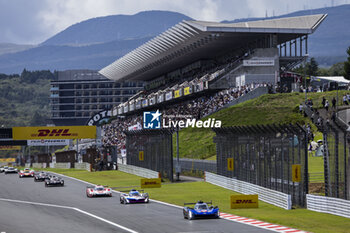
{"type": "Point", "coordinates": [244, 201]}
{"type": "Point", "coordinates": [8, 160]}
{"type": "Point", "coordinates": [177, 93]}
{"type": "Point", "coordinates": [141, 155]}
{"type": "Point", "coordinates": [230, 164]}
{"type": "Point", "coordinates": [187, 91]}
{"type": "Point", "coordinates": [296, 172]}
{"type": "Point", "coordinates": [151, 183]}
{"type": "Point", "coordinates": [10, 147]}
{"type": "Point", "coordinates": [53, 132]}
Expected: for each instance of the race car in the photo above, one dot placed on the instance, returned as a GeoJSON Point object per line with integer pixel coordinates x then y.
{"type": "Point", "coordinates": [11, 170]}
{"type": "Point", "coordinates": [40, 176]}
{"type": "Point", "coordinates": [97, 191]}
{"type": "Point", "coordinates": [2, 169]}
{"type": "Point", "coordinates": [54, 180]}
{"type": "Point", "coordinates": [134, 196]}
{"type": "Point", "coordinates": [200, 210]}
{"type": "Point", "coordinates": [26, 172]}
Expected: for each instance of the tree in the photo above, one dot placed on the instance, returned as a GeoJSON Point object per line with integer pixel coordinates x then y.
{"type": "Point", "coordinates": [347, 65]}
{"type": "Point", "coordinates": [312, 67]}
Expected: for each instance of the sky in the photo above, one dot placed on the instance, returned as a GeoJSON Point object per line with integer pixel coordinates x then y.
{"type": "Point", "coordinates": [34, 21]}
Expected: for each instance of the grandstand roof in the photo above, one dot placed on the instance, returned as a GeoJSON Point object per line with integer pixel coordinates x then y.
{"type": "Point", "coordinates": [190, 41]}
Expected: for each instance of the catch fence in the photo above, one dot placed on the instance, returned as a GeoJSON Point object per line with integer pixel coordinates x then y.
{"type": "Point", "coordinates": [265, 155]}
{"type": "Point", "coordinates": [151, 149]}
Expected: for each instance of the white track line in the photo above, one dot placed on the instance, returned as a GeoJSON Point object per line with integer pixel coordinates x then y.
{"type": "Point", "coordinates": [71, 208]}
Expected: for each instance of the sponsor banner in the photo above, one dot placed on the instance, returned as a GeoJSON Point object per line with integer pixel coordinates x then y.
{"type": "Point", "coordinates": [126, 107]}
{"type": "Point", "coordinates": [144, 102]}
{"type": "Point", "coordinates": [54, 132]}
{"type": "Point", "coordinates": [177, 93]}
{"type": "Point", "coordinates": [169, 95]}
{"type": "Point", "coordinates": [244, 201]}
{"type": "Point", "coordinates": [135, 127]}
{"type": "Point", "coordinates": [187, 90]}
{"type": "Point", "coordinates": [8, 160]}
{"type": "Point", "coordinates": [99, 117]}
{"type": "Point", "coordinates": [230, 164]}
{"type": "Point", "coordinates": [10, 147]}
{"type": "Point", "coordinates": [160, 98]}
{"type": "Point", "coordinates": [296, 172]}
{"type": "Point", "coordinates": [141, 155]}
{"type": "Point", "coordinates": [48, 142]}
{"type": "Point", "coordinates": [151, 183]}
{"type": "Point", "coordinates": [138, 104]}
{"type": "Point", "coordinates": [258, 62]}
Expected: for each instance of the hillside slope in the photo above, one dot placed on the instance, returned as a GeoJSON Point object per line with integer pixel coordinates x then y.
{"type": "Point", "coordinates": [117, 27]}
{"type": "Point", "coordinates": [267, 109]}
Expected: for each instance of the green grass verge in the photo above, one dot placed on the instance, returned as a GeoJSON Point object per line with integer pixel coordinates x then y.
{"type": "Point", "coordinates": [178, 193]}
{"type": "Point", "coordinates": [268, 109]}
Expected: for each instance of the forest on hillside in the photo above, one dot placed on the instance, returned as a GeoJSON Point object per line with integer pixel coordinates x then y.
{"type": "Point", "coordinates": [24, 98]}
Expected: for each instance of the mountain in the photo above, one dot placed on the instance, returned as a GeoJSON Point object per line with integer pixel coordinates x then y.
{"type": "Point", "coordinates": [13, 48]}
{"type": "Point", "coordinates": [97, 42]}
{"type": "Point", "coordinates": [92, 44]}
{"type": "Point", "coordinates": [117, 27]}
{"type": "Point", "coordinates": [331, 39]}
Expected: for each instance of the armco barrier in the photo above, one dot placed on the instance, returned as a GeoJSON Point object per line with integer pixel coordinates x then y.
{"type": "Point", "coordinates": [27, 165]}
{"type": "Point", "coordinates": [82, 166]}
{"type": "Point", "coordinates": [60, 165]}
{"type": "Point", "coordinates": [328, 205]}
{"type": "Point", "coordinates": [267, 195]}
{"type": "Point", "coordinates": [39, 165]}
{"type": "Point", "coordinates": [139, 171]}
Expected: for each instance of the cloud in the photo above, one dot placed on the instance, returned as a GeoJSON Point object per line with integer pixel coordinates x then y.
{"type": "Point", "coordinates": [23, 21]}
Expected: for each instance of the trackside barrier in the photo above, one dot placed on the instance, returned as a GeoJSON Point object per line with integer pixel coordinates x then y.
{"type": "Point", "coordinates": [270, 196]}
{"type": "Point", "coordinates": [39, 165]}
{"type": "Point", "coordinates": [139, 171]}
{"type": "Point", "coordinates": [60, 165]}
{"type": "Point", "coordinates": [82, 166]}
{"type": "Point", "coordinates": [27, 165]}
{"type": "Point", "coordinates": [328, 205]}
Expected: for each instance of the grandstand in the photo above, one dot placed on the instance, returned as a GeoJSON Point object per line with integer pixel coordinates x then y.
{"type": "Point", "coordinates": [196, 67]}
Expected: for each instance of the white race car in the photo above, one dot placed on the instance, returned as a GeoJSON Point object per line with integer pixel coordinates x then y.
{"type": "Point", "coordinates": [134, 196]}
{"type": "Point", "coordinates": [97, 191]}
{"type": "Point", "coordinates": [2, 169]}
{"type": "Point", "coordinates": [11, 170]}
{"type": "Point", "coordinates": [26, 172]}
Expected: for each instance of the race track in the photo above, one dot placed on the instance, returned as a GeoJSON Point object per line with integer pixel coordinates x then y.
{"type": "Point", "coordinates": [28, 206]}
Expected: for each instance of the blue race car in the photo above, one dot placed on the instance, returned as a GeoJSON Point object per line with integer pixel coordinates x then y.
{"type": "Point", "coordinates": [134, 196]}
{"type": "Point", "coordinates": [200, 210]}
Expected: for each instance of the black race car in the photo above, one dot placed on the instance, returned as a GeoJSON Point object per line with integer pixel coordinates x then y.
{"type": "Point", "coordinates": [54, 181]}
{"type": "Point", "coordinates": [40, 176]}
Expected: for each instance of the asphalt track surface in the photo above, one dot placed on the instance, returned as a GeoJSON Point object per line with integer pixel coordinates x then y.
{"type": "Point", "coordinates": [28, 206]}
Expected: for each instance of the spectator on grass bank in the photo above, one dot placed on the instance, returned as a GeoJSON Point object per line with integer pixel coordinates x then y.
{"type": "Point", "coordinates": [323, 102]}
{"type": "Point", "coordinates": [326, 105]}
{"type": "Point", "coordinates": [334, 102]}
{"type": "Point", "coordinates": [345, 100]}
{"type": "Point", "coordinates": [301, 108]}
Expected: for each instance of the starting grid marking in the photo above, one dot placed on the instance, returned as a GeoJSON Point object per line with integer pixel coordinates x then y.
{"type": "Point", "coordinates": [260, 224]}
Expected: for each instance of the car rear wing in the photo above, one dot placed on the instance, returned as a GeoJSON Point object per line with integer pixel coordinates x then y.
{"type": "Point", "coordinates": [209, 203]}
{"type": "Point", "coordinates": [126, 191]}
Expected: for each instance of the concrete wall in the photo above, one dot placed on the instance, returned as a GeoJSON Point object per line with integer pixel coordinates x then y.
{"type": "Point", "coordinates": [344, 115]}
